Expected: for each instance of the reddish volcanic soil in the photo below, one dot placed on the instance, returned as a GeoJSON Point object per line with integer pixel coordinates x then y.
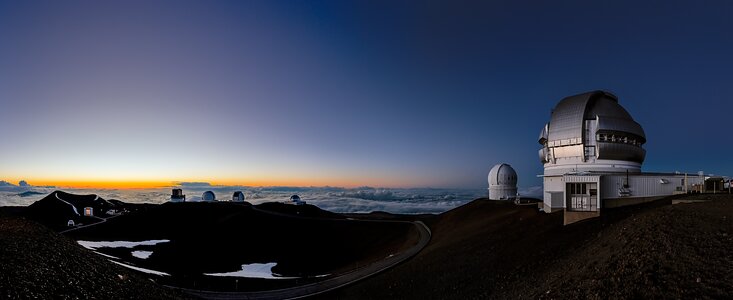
{"type": "Point", "coordinates": [489, 249]}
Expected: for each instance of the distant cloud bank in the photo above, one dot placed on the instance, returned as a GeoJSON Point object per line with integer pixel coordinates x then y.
{"type": "Point", "coordinates": [336, 199]}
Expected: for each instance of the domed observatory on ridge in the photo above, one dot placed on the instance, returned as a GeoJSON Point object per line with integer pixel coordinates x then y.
{"type": "Point", "coordinates": [502, 182]}
{"type": "Point", "coordinates": [177, 196]}
{"type": "Point", "coordinates": [238, 196]}
{"type": "Point", "coordinates": [295, 199]}
{"type": "Point", "coordinates": [208, 196]}
{"type": "Point", "coordinates": [592, 152]}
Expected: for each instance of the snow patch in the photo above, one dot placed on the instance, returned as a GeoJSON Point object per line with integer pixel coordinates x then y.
{"type": "Point", "coordinates": [92, 245]}
{"type": "Point", "coordinates": [142, 254]}
{"type": "Point", "coordinates": [106, 255]}
{"type": "Point", "coordinates": [253, 271]}
{"type": "Point", "coordinates": [142, 269]}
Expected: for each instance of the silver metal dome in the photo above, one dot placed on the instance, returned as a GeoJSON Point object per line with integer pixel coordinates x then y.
{"type": "Point", "coordinates": [238, 196]}
{"type": "Point", "coordinates": [208, 196]}
{"type": "Point", "coordinates": [594, 133]}
{"type": "Point", "coordinates": [502, 182]}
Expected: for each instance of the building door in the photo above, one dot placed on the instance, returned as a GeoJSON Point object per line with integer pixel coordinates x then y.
{"type": "Point", "coordinates": [582, 196]}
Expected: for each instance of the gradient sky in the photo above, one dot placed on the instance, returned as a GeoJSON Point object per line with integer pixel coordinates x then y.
{"type": "Point", "coordinates": [347, 93]}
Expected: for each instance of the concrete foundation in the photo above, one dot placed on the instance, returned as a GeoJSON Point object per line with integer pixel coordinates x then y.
{"type": "Point", "coordinates": [570, 217]}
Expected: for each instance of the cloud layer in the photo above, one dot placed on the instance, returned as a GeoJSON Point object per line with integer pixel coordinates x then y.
{"type": "Point", "coordinates": [359, 200]}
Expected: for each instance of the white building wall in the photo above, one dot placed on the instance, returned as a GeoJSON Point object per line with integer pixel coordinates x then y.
{"type": "Point", "coordinates": [553, 184]}
{"type": "Point", "coordinates": [502, 192]}
{"type": "Point", "coordinates": [645, 185]}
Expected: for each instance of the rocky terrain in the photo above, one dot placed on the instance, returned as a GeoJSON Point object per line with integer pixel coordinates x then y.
{"type": "Point", "coordinates": [494, 250]}
{"type": "Point", "coordinates": [37, 263]}
{"type": "Point", "coordinates": [484, 249]}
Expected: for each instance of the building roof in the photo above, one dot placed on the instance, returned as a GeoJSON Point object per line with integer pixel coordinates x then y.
{"type": "Point", "coordinates": [502, 174]}
{"type": "Point", "coordinates": [567, 120]}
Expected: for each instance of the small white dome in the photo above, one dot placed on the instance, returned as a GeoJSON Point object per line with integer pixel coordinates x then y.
{"type": "Point", "coordinates": [502, 174]}
{"type": "Point", "coordinates": [238, 196]}
{"type": "Point", "coordinates": [208, 196]}
{"type": "Point", "coordinates": [502, 182]}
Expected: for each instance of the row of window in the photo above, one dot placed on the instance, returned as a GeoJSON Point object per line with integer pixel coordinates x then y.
{"type": "Point", "coordinates": [613, 138]}
{"type": "Point", "coordinates": [577, 188]}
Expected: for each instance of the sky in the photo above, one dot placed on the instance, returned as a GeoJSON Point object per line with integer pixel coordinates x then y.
{"type": "Point", "coordinates": [346, 93]}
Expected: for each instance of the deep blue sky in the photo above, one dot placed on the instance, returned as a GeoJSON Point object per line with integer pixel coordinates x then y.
{"type": "Point", "coordinates": [382, 93]}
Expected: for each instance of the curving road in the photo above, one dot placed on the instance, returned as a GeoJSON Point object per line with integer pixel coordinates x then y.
{"type": "Point", "coordinates": [102, 220]}
{"type": "Point", "coordinates": [331, 283]}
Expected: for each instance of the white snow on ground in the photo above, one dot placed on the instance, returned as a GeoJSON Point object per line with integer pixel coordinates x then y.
{"type": "Point", "coordinates": [141, 269]}
{"type": "Point", "coordinates": [118, 244]}
{"type": "Point", "coordinates": [253, 271]}
{"type": "Point", "coordinates": [142, 254]}
{"type": "Point", "coordinates": [106, 255]}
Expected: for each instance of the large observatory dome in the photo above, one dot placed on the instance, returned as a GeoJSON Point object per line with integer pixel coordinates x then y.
{"type": "Point", "coordinates": [591, 132]}
{"type": "Point", "coordinates": [502, 182]}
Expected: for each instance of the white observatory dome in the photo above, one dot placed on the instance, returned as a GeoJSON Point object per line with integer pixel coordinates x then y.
{"type": "Point", "coordinates": [591, 132]}
{"type": "Point", "coordinates": [295, 199]}
{"type": "Point", "coordinates": [238, 196]}
{"type": "Point", "coordinates": [208, 196]}
{"type": "Point", "coordinates": [502, 182]}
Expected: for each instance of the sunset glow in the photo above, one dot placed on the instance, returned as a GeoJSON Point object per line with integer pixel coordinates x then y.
{"type": "Point", "coordinates": [339, 94]}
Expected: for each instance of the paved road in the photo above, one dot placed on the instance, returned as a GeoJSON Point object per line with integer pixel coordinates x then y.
{"type": "Point", "coordinates": [331, 283]}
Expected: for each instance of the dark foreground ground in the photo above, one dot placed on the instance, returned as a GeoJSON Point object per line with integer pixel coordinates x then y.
{"type": "Point", "coordinates": [37, 263]}
{"type": "Point", "coordinates": [482, 250]}
{"type": "Point", "coordinates": [492, 250]}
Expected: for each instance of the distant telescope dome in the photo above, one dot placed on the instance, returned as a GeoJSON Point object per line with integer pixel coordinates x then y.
{"type": "Point", "coordinates": [238, 196]}
{"type": "Point", "coordinates": [502, 182]}
{"type": "Point", "coordinates": [208, 196]}
{"type": "Point", "coordinates": [177, 195]}
{"type": "Point", "coordinates": [295, 199]}
{"type": "Point", "coordinates": [591, 132]}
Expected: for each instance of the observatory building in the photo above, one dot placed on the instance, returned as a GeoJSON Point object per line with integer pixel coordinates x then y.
{"type": "Point", "coordinates": [178, 196]}
{"type": "Point", "coordinates": [592, 151]}
{"type": "Point", "coordinates": [238, 196]}
{"type": "Point", "coordinates": [502, 182]}
{"type": "Point", "coordinates": [295, 199]}
{"type": "Point", "coordinates": [208, 196]}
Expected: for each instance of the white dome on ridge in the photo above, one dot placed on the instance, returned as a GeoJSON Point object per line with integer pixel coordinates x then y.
{"type": "Point", "coordinates": [502, 182]}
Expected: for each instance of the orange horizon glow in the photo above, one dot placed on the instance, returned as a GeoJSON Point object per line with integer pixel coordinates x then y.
{"type": "Point", "coordinates": [150, 184]}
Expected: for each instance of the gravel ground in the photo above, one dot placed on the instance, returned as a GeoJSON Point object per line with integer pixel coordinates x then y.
{"type": "Point", "coordinates": [675, 251]}
{"type": "Point", "coordinates": [490, 250]}
{"type": "Point", "coordinates": [37, 263]}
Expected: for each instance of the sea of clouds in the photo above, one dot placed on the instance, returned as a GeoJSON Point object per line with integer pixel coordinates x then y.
{"type": "Point", "coordinates": [335, 199]}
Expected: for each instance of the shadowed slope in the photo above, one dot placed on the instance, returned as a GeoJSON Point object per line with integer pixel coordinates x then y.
{"type": "Point", "coordinates": [39, 263]}
{"type": "Point", "coordinates": [489, 249]}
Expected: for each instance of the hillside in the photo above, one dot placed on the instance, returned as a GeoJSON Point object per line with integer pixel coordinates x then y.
{"type": "Point", "coordinates": [39, 263]}
{"type": "Point", "coordinates": [217, 237]}
{"type": "Point", "coordinates": [56, 209]}
{"type": "Point", "coordinates": [489, 249]}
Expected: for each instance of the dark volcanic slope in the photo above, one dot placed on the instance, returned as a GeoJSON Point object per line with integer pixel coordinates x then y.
{"type": "Point", "coordinates": [473, 248]}
{"type": "Point", "coordinates": [303, 240]}
{"type": "Point", "coordinates": [676, 251]}
{"type": "Point", "coordinates": [488, 249]}
{"type": "Point", "coordinates": [36, 262]}
{"type": "Point", "coordinates": [56, 209]}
